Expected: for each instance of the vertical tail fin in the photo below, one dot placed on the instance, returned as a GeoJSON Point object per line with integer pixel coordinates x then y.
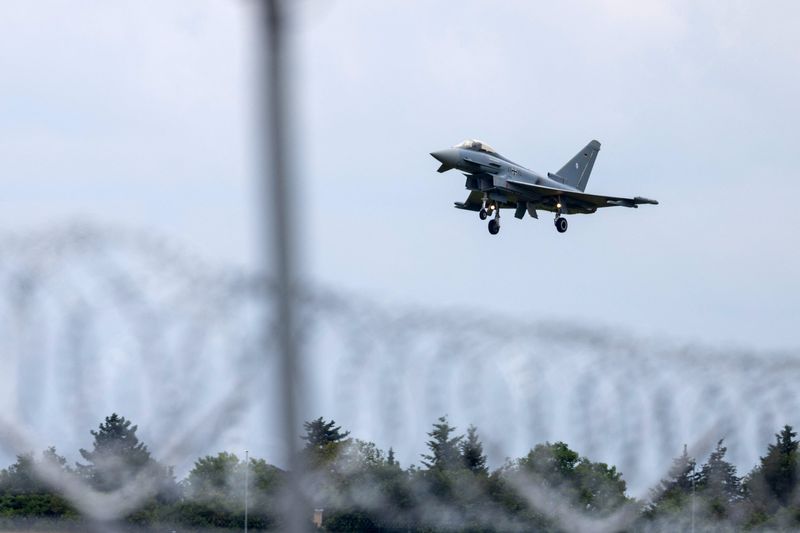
{"type": "Point", "coordinates": [576, 172]}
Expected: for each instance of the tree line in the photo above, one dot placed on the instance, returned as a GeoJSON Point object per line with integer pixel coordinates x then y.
{"type": "Point", "coordinates": [360, 487]}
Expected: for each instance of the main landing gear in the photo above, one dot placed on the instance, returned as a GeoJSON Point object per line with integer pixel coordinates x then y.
{"type": "Point", "coordinates": [560, 222]}
{"type": "Point", "coordinates": [486, 211]}
{"type": "Point", "coordinates": [494, 224]}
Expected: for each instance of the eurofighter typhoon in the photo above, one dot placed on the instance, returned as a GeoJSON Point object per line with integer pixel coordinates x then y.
{"type": "Point", "coordinates": [497, 183]}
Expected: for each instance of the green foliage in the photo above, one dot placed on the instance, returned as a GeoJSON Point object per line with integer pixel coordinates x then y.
{"type": "Point", "coordinates": [774, 481]}
{"type": "Point", "coordinates": [215, 488]}
{"type": "Point", "coordinates": [320, 434]}
{"type": "Point", "coordinates": [600, 487]}
{"type": "Point", "coordinates": [718, 486]}
{"type": "Point", "coordinates": [35, 504]}
{"type": "Point", "coordinates": [555, 463]}
{"type": "Point", "coordinates": [117, 455]}
{"type": "Point", "coordinates": [362, 488]}
{"type": "Point", "coordinates": [472, 452]}
{"type": "Point", "coordinates": [323, 442]}
{"type": "Point", "coordinates": [219, 477]}
{"type": "Point", "coordinates": [25, 494]}
{"type": "Point", "coordinates": [265, 479]}
{"type": "Point", "coordinates": [22, 478]}
{"type": "Point", "coordinates": [349, 521]}
{"type": "Point", "coordinates": [445, 452]}
{"type": "Point", "coordinates": [591, 487]}
{"type": "Point", "coordinates": [674, 492]}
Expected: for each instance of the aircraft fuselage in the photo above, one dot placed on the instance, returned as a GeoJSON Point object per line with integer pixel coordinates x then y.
{"type": "Point", "coordinates": [489, 174]}
{"type": "Point", "coordinates": [496, 182]}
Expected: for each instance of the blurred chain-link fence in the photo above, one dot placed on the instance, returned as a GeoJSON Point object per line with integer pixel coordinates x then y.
{"type": "Point", "coordinates": [100, 320]}
{"type": "Point", "coordinates": [207, 358]}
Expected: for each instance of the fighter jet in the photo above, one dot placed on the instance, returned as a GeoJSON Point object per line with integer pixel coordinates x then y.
{"type": "Point", "coordinates": [496, 183]}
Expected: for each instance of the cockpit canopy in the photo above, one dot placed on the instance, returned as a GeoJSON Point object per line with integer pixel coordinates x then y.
{"type": "Point", "coordinates": [472, 144]}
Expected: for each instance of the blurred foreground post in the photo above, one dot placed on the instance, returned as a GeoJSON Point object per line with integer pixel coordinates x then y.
{"type": "Point", "coordinates": [246, 486]}
{"type": "Point", "coordinates": [274, 212]}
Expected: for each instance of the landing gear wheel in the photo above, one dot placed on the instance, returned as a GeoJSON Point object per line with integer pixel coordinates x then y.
{"type": "Point", "coordinates": [561, 224]}
{"type": "Point", "coordinates": [483, 214]}
{"type": "Point", "coordinates": [494, 227]}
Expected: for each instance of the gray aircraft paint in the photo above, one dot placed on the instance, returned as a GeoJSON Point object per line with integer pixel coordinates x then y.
{"type": "Point", "coordinates": [496, 183]}
{"type": "Point", "coordinates": [576, 172]}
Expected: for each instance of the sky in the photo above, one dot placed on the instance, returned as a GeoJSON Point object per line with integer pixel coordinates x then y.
{"type": "Point", "coordinates": [142, 114]}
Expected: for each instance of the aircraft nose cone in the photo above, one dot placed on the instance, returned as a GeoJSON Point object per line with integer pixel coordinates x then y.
{"type": "Point", "coordinates": [438, 155]}
{"type": "Point", "coordinates": [447, 157]}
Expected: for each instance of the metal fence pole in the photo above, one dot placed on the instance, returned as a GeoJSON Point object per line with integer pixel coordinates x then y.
{"type": "Point", "coordinates": [246, 486]}
{"type": "Point", "coordinates": [275, 208]}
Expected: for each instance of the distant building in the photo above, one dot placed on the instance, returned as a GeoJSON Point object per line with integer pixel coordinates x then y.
{"type": "Point", "coordinates": [318, 517]}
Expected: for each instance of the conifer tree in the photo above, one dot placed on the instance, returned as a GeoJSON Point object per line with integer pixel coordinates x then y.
{"type": "Point", "coordinates": [773, 482]}
{"type": "Point", "coordinates": [674, 491]}
{"type": "Point", "coordinates": [323, 442]}
{"type": "Point", "coordinates": [445, 450]}
{"type": "Point", "coordinates": [718, 483]}
{"type": "Point", "coordinates": [116, 455]}
{"type": "Point", "coordinates": [320, 433]}
{"type": "Point", "coordinates": [118, 458]}
{"type": "Point", "coordinates": [472, 452]}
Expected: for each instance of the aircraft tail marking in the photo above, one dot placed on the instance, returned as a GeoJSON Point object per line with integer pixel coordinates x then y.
{"type": "Point", "coordinates": [576, 172]}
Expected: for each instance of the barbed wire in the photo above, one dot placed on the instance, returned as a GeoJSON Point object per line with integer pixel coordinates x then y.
{"type": "Point", "coordinates": [103, 317]}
